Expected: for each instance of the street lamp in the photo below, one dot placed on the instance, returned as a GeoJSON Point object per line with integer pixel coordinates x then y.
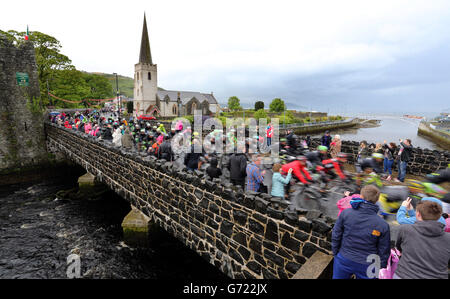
{"type": "Point", "coordinates": [117, 94]}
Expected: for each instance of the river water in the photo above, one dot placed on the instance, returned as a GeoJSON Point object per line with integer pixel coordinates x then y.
{"type": "Point", "coordinates": [391, 129]}
{"type": "Point", "coordinates": [38, 231]}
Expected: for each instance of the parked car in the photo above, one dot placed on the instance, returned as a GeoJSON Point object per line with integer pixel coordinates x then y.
{"type": "Point", "coordinates": [146, 117]}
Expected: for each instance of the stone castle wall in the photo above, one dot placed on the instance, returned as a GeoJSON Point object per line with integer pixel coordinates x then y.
{"type": "Point", "coordinates": [423, 161]}
{"type": "Point", "coordinates": [22, 139]}
{"type": "Point", "coordinates": [245, 235]}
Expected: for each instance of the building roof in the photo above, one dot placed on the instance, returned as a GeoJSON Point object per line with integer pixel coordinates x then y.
{"type": "Point", "coordinates": [186, 96]}
{"type": "Point", "coordinates": [145, 55]}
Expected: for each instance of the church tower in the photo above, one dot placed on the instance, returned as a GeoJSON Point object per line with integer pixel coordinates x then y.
{"type": "Point", "coordinates": [145, 78]}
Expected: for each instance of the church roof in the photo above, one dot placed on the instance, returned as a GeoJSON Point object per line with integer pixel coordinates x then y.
{"type": "Point", "coordinates": [145, 55]}
{"type": "Point", "coordinates": [186, 96]}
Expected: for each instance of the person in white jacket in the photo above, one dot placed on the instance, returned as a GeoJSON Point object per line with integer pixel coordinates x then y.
{"type": "Point", "coordinates": [117, 137]}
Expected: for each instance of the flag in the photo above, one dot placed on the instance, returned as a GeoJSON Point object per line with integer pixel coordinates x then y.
{"type": "Point", "coordinates": [26, 35]}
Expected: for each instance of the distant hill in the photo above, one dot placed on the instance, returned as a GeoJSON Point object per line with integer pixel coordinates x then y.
{"type": "Point", "coordinates": [126, 84]}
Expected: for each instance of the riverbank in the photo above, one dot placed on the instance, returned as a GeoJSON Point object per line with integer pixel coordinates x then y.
{"type": "Point", "coordinates": [436, 136]}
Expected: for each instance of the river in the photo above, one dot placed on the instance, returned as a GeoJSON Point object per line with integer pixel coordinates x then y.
{"type": "Point", "coordinates": [38, 231]}
{"type": "Point", "coordinates": [391, 129]}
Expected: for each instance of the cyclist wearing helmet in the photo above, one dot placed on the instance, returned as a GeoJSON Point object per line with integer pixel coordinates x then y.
{"type": "Point", "coordinates": [336, 163]}
{"type": "Point", "coordinates": [316, 157]}
{"type": "Point", "coordinates": [373, 164]}
{"type": "Point", "coordinates": [299, 168]}
{"type": "Point", "coordinates": [391, 198]}
{"type": "Point", "coordinates": [438, 177]}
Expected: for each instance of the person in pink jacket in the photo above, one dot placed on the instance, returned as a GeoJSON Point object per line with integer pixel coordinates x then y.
{"type": "Point", "coordinates": [179, 126]}
{"type": "Point", "coordinates": [87, 128]}
{"type": "Point", "coordinates": [344, 203]}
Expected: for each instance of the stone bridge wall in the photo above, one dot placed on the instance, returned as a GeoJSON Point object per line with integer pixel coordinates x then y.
{"type": "Point", "coordinates": [22, 140]}
{"type": "Point", "coordinates": [423, 161]}
{"type": "Point", "coordinates": [245, 235]}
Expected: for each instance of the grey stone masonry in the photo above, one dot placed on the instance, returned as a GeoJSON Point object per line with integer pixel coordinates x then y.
{"type": "Point", "coordinates": [241, 234]}
{"type": "Point", "coordinates": [22, 139]}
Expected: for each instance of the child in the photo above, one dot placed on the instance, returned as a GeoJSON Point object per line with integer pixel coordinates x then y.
{"type": "Point", "coordinates": [278, 181]}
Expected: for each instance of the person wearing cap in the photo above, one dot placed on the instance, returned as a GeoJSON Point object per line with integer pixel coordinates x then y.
{"type": "Point", "coordinates": [424, 245]}
{"type": "Point", "coordinates": [326, 139]}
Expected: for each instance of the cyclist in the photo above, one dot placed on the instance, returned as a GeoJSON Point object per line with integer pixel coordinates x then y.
{"type": "Point", "coordinates": [315, 158]}
{"type": "Point", "coordinates": [299, 169]}
{"type": "Point", "coordinates": [336, 164]}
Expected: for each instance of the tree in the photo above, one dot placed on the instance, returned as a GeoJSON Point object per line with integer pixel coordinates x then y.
{"type": "Point", "coordinates": [48, 56]}
{"type": "Point", "coordinates": [70, 85]}
{"type": "Point", "coordinates": [101, 87]}
{"type": "Point", "coordinates": [259, 105]}
{"type": "Point", "coordinates": [277, 105]}
{"type": "Point", "coordinates": [130, 107]}
{"type": "Point", "coordinates": [260, 114]}
{"type": "Point", "coordinates": [234, 103]}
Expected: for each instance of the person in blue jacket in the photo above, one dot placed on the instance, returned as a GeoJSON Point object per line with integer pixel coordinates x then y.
{"type": "Point", "coordinates": [407, 215]}
{"type": "Point", "coordinates": [358, 236]}
{"type": "Point", "coordinates": [278, 181]}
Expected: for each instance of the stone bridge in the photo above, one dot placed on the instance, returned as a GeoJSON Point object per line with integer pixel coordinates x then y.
{"type": "Point", "coordinates": [244, 235]}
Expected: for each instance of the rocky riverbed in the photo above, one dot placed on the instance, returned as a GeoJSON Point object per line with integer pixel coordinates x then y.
{"type": "Point", "coordinates": [38, 231]}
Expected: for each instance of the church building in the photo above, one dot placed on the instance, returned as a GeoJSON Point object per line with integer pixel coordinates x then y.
{"type": "Point", "coordinates": [151, 100]}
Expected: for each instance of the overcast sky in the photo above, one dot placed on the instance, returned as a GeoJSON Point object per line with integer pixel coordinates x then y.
{"type": "Point", "coordinates": [336, 56]}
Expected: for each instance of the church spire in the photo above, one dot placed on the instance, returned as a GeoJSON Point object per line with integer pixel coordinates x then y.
{"type": "Point", "coordinates": [145, 56]}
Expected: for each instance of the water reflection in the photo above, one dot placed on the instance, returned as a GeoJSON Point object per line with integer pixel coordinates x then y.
{"type": "Point", "coordinates": [391, 129]}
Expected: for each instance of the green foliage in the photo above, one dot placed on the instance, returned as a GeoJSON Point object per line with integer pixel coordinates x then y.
{"type": "Point", "coordinates": [277, 105]}
{"type": "Point", "coordinates": [130, 107]}
{"type": "Point", "coordinates": [234, 103]}
{"type": "Point", "coordinates": [259, 105]}
{"type": "Point", "coordinates": [261, 113]}
{"type": "Point", "coordinates": [56, 68]}
{"type": "Point", "coordinates": [190, 118]}
{"type": "Point", "coordinates": [48, 56]}
{"type": "Point", "coordinates": [126, 84]}
{"type": "Point", "coordinates": [290, 119]}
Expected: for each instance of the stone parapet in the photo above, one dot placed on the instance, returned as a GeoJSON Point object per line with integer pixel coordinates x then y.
{"type": "Point", "coordinates": [245, 235]}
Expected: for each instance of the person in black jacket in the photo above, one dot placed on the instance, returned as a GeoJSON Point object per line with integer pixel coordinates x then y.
{"type": "Point", "coordinates": [106, 133]}
{"type": "Point", "coordinates": [237, 167]}
{"type": "Point", "coordinates": [389, 152]}
{"type": "Point", "coordinates": [326, 139]}
{"type": "Point", "coordinates": [213, 171]}
{"type": "Point", "coordinates": [404, 156]}
{"type": "Point", "coordinates": [192, 159]}
{"type": "Point", "coordinates": [165, 150]}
